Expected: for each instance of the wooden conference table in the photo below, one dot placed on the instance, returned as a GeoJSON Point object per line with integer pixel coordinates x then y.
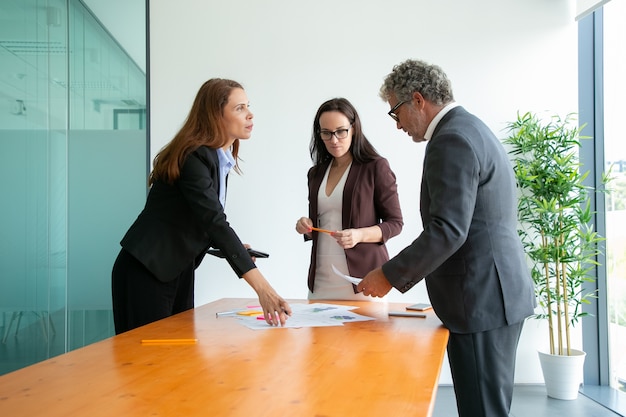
{"type": "Point", "coordinates": [386, 367]}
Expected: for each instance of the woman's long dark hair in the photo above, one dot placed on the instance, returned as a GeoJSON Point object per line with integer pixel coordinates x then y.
{"type": "Point", "coordinates": [204, 126]}
{"type": "Point", "coordinates": [361, 148]}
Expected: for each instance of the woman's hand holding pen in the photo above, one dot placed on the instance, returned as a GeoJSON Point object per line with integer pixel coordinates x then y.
{"type": "Point", "coordinates": [304, 226]}
{"type": "Point", "coordinates": [347, 238]}
{"type": "Point", "coordinates": [275, 309]}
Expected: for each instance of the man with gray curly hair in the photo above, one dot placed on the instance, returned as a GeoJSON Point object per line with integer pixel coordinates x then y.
{"type": "Point", "coordinates": [469, 252]}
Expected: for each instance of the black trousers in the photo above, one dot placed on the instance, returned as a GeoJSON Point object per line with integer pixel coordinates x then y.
{"type": "Point", "coordinates": [483, 370]}
{"type": "Point", "coordinates": [140, 298]}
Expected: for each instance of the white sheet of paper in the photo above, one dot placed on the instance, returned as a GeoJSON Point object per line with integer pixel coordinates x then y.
{"type": "Point", "coordinates": [310, 315]}
{"type": "Point", "coordinates": [353, 280]}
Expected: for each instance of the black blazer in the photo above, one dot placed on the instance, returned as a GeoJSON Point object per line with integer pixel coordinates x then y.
{"type": "Point", "coordinates": [180, 221]}
{"type": "Point", "coordinates": [470, 253]}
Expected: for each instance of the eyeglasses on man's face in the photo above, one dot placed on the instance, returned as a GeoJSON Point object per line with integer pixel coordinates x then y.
{"type": "Point", "coordinates": [340, 134]}
{"type": "Point", "coordinates": [392, 112]}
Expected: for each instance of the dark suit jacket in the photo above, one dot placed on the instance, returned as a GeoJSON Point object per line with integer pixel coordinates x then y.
{"type": "Point", "coordinates": [470, 253]}
{"type": "Point", "coordinates": [181, 221]}
{"type": "Point", "coordinates": [370, 197]}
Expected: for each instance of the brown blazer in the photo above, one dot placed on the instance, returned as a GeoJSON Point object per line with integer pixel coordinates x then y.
{"type": "Point", "coordinates": [370, 197]}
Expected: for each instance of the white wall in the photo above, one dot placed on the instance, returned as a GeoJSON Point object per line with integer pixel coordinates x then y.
{"type": "Point", "coordinates": [501, 55]}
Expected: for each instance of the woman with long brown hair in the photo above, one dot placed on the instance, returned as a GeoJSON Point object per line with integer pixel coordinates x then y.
{"type": "Point", "coordinates": [353, 195]}
{"type": "Point", "coordinates": [153, 275]}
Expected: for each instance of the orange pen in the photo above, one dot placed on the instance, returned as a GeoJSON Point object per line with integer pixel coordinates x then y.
{"type": "Point", "coordinates": [322, 230]}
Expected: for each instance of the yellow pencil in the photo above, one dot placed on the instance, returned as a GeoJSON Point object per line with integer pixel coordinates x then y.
{"type": "Point", "coordinates": [169, 341]}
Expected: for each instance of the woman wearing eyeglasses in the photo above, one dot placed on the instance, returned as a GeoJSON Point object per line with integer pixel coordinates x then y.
{"type": "Point", "coordinates": [353, 203]}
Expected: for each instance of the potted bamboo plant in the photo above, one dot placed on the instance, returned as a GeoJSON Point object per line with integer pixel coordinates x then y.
{"type": "Point", "coordinates": [556, 231]}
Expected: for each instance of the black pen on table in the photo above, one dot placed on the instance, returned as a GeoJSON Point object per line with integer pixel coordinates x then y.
{"type": "Point", "coordinates": [406, 314]}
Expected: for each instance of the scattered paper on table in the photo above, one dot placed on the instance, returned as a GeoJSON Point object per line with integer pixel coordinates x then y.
{"type": "Point", "coordinates": [353, 280]}
{"type": "Point", "coordinates": [310, 315]}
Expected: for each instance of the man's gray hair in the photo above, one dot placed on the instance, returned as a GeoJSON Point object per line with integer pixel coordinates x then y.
{"type": "Point", "coordinates": [417, 76]}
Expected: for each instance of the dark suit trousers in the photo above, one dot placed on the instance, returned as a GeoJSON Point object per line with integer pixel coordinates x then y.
{"type": "Point", "coordinates": [140, 298]}
{"type": "Point", "coordinates": [483, 369]}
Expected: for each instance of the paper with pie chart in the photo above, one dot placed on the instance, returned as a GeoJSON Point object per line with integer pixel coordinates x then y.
{"type": "Point", "coordinates": [353, 280]}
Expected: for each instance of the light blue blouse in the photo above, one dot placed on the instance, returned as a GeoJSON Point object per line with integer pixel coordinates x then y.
{"type": "Point", "coordinates": [227, 162]}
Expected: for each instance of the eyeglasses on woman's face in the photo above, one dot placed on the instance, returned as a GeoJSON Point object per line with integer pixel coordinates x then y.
{"type": "Point", "coordinates": [340, 134]}
{"type": "Point", "coordinates": [392, 112]}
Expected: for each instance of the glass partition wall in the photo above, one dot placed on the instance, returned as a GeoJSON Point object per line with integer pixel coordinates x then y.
{"type": "Point", "coordinates": [73, 165]}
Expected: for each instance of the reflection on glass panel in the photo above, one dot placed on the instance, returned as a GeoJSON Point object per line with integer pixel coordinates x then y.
{"type": "Point", "coordinates": [33, 164]}
{"type": "Point", "coordinates": [104, 82]}
{"type": "Point", "coordinates": [103, 79]}
{"type": "Point", "coordinates": [72, 173]}
{"type": "Point", "coordinates": [615, 151]}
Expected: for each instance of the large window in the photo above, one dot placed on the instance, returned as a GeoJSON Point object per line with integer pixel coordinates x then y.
{"type": "Point", "coordinates": [601, 90]}
{"type": "Point", "coordinates": [614, 69]}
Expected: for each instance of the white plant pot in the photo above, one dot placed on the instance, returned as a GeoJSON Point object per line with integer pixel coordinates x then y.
{"type": "Point", "coordinates": [562, 374]}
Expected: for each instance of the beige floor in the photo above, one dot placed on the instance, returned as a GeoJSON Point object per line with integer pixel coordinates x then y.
{"type": "Point", "coordinates": [530, 401]}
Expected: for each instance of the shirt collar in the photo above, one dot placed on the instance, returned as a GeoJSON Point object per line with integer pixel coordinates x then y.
{"type": "Point", "coordinates": [225, 158]}
{"type": "Point", "coordinates": [433, 124]}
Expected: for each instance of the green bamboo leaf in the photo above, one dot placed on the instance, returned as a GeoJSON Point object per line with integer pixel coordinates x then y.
{"type": "Point", "coordinates": [554, 211]}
